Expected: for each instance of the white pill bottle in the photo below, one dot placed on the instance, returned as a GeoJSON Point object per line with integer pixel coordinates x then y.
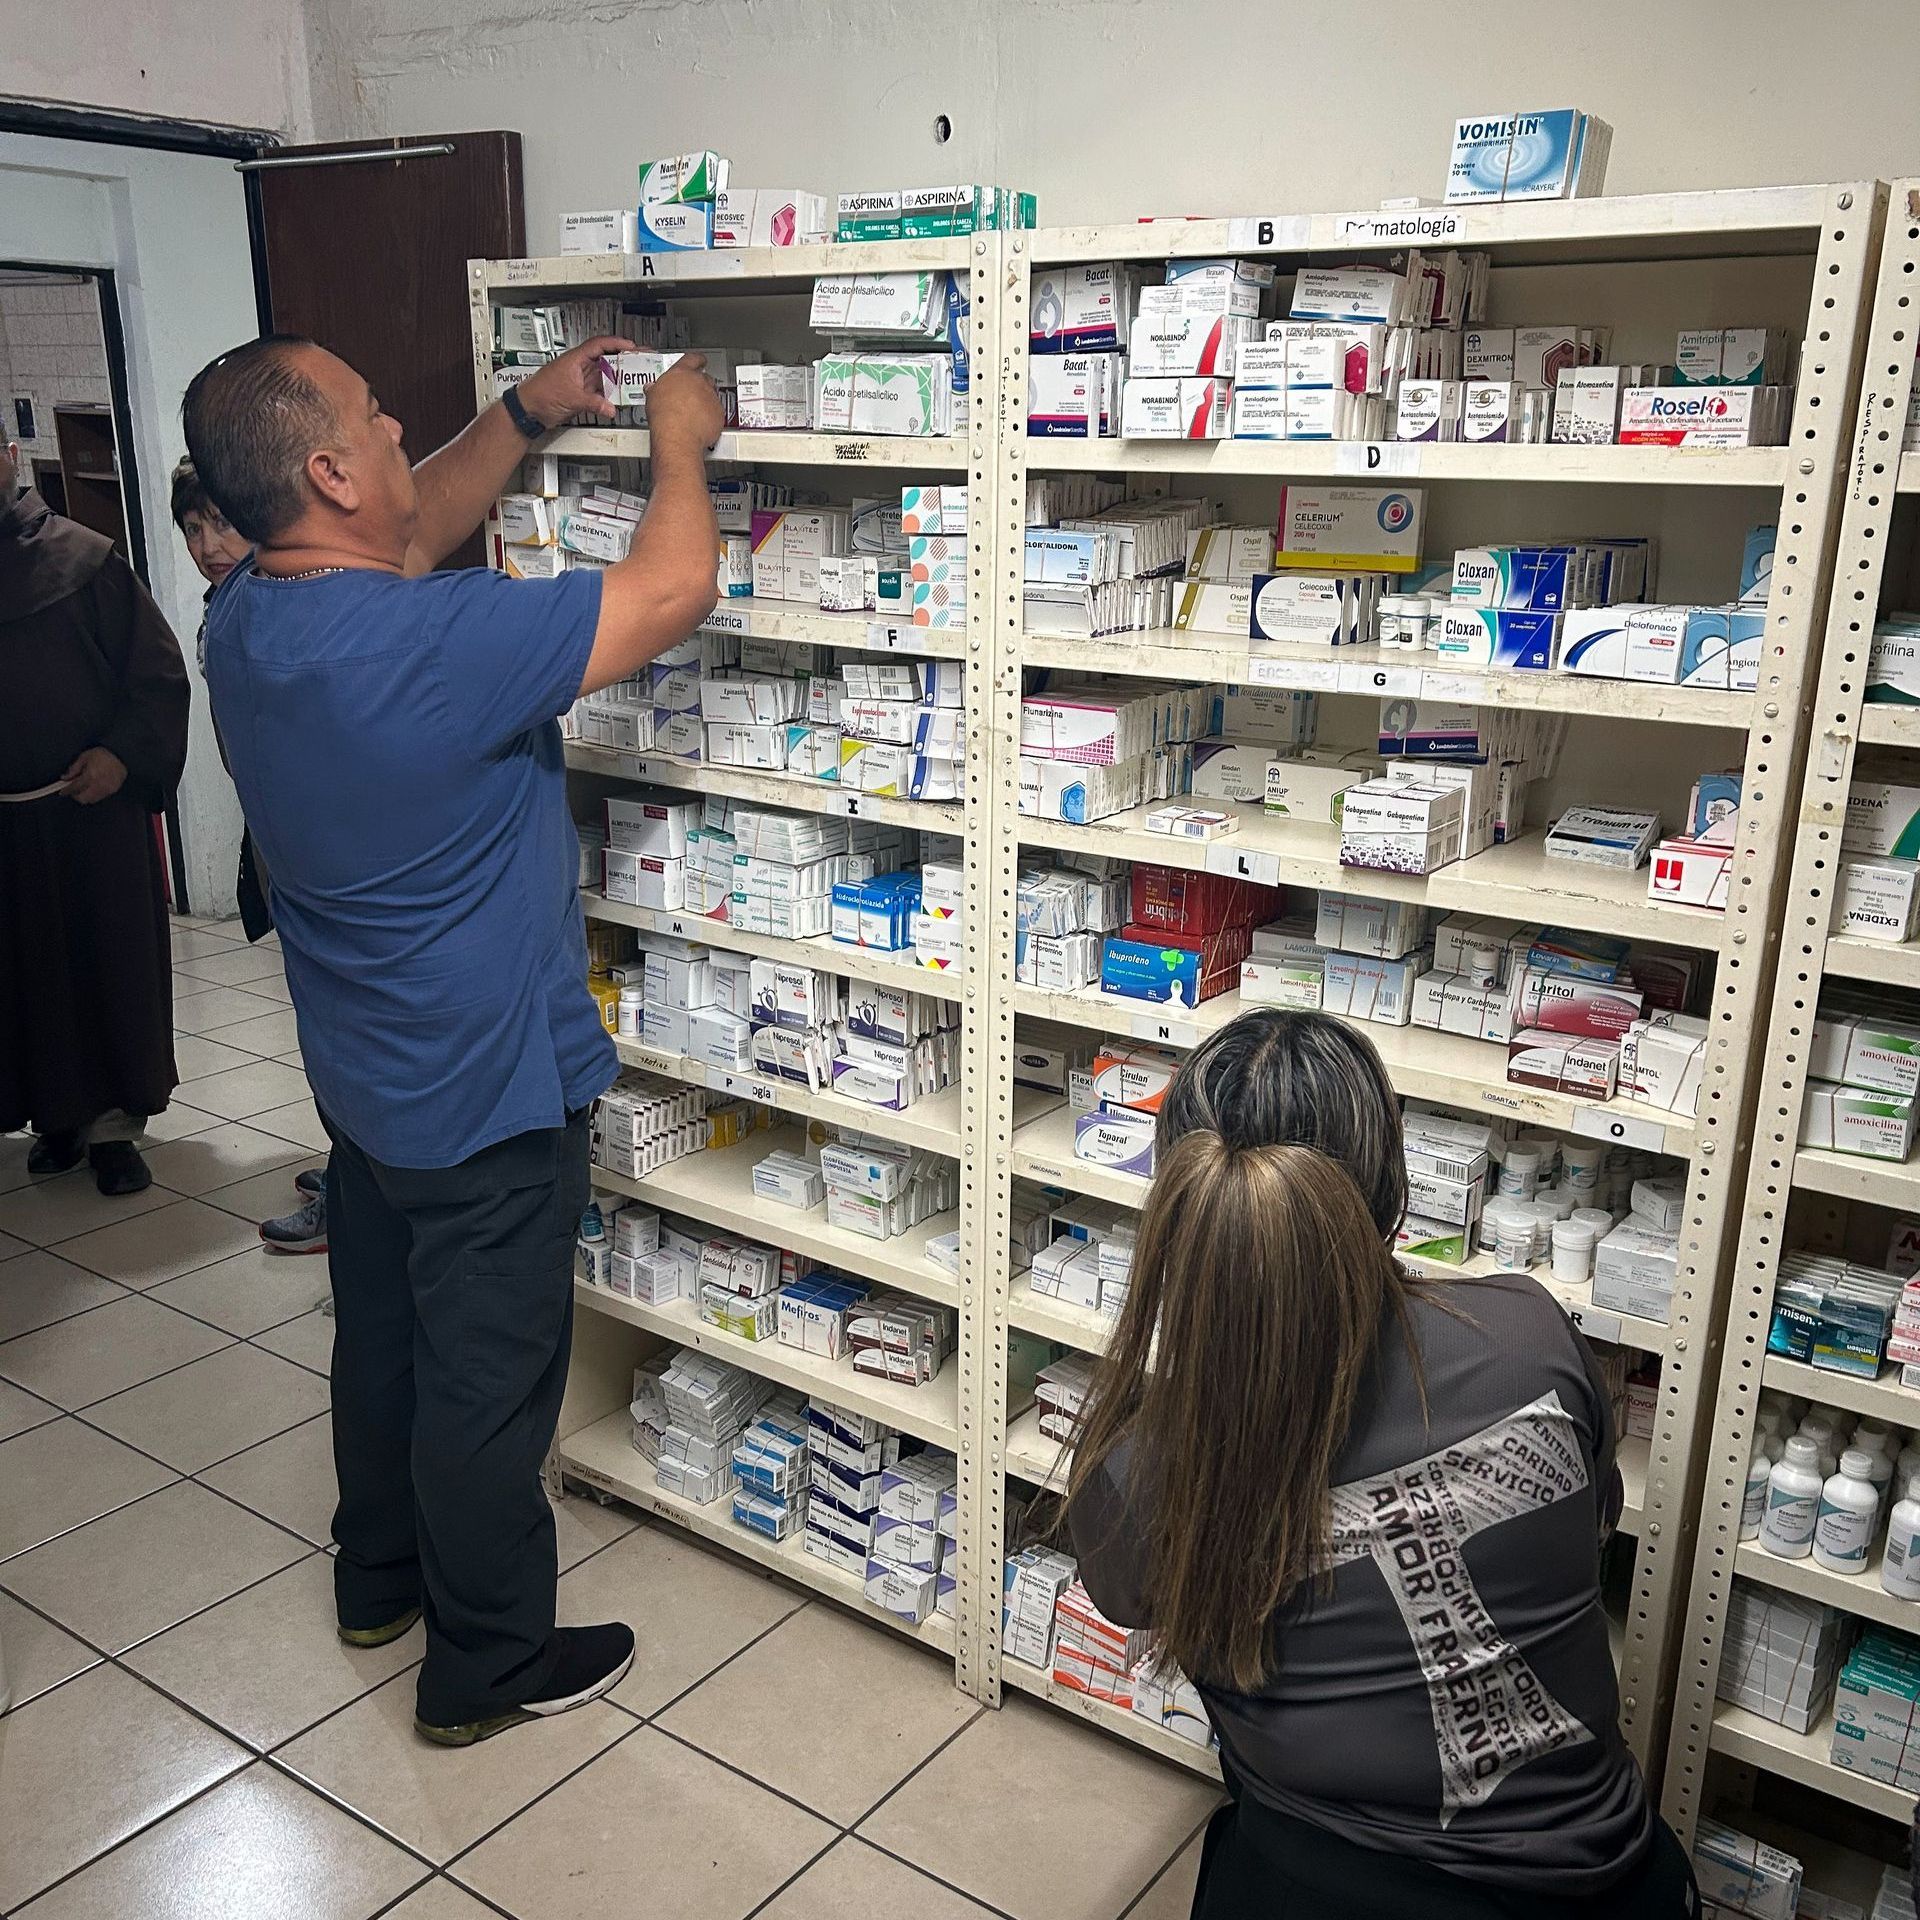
{"type": "Point", "coordinates": [1793, 1501]}
{"type": "Point", "coordinates": [1849, 1515]}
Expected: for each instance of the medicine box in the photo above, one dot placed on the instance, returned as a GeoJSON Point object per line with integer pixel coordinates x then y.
{"type": "Point", "coordinates": [1453, 1003]}
{"type": "Point", "coordinates": [1564, 1063]}
{"type": "Point", "coordinates": [1634, 1268]}
{"type": "Point", "coordinates": [1359, 987]}
{"type": "Point", "coordinates": [1560, 154]}
{"type": "Point", "coordinates": [1603, 836]}
{"type": "Point", "coordinates": [1882, 818]}
{"type": "Point", "coordinates": [1879, 899]}
{"type": "Point", "coordinates": [1350, 528]}
{"type": "Point", "coordinates": [1400, 826]}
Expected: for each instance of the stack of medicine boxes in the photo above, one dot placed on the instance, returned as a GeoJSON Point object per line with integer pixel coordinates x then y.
{"type": "Point", "coordinates": [1863, 1073]}
{"type": "Point", "coordinates": [903, 728]}
{"type": "Point", "coordinates": [1186, 935]}
{"type": "Point", "coordinates": [1077, 338]}
{"type": "Point", "coordinates": [770, 1469]}
{"type": "Point", "coordinates": [1779, 1656]}
{"type": "Point", "coordinates": [1115, 1106]}
{"type": "Point", "coordinates": [708, 1405]}
{"type": "Point", "coordinates": [1092, 1654]}
{"type": "Point", "coordinates": [1061, 914]}
{"type": "Point", "coordinates": [881, 1190]}
{"type": "Point", "coordinates": [1183, 346]}
{"type": "Point", "coordinates": [1087, 1261]}
{"type": "Point", "coordinates": [1876, 1709]}
{"type": "Point", "coordinates": [909, 1571]}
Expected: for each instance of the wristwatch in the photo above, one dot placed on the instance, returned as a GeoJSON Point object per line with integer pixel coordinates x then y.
{"type": "Point", "coordinates": [518, 414]}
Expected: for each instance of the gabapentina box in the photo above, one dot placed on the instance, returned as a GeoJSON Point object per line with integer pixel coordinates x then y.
{"type": "Point", "coordinates": [1371, 529]}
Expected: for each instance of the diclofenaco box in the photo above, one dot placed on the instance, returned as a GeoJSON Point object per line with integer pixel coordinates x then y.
{"type": "Point", "coordinates": [1625, 643]}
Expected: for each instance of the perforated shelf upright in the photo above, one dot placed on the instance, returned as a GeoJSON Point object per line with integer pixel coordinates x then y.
{"type": "Point", "coordinates": [1794, 256]}
{"type": "Point", "coordinates": [1720, 1756]}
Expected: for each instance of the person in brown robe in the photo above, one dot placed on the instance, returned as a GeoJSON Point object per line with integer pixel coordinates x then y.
{"type": "Point", "coordinates": [93, 704]}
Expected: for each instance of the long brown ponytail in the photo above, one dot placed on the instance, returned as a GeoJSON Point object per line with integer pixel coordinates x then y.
{"type": "Point", "coordinates": [1262, 1283]}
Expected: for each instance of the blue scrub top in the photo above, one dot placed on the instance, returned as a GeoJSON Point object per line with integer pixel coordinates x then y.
{"type": "Point", "coordinates": [394, 747]}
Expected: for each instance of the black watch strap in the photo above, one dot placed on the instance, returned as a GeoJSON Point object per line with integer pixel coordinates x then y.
{"type": "Point", "coordinates": [518, 414]}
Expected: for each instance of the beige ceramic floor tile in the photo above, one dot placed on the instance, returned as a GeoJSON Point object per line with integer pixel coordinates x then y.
{"type": "Point", "coordinates": [195, 1057]}
{"type": "Point", "coordinates": [307, 1341]}
{"type": "Point", "coordinates": [247, 1092]}
{"type": "Point", "coordinates": [689, 1610]}
{"type": "Point", "coordinates": [259, 1844]}
{"type": "Point", "coordinates": [11, 1249]}
{"type": "Point", "coordinates": [436, 1800]}
{"type": "Point", "coordinates": [217, 1158]}
{"type": "Point", "coordinates": [1171, 1896]}
{"type": "Point", "coordinates": [233, 966]}
{"type": "Point", "coordinates": [268, 1195]}
{"type": "Point", "coordinates": [857, 1880]}
{"type": "Point", "coordinates": [582, 1526]}
{"type": "Point", "coordinates": [211, 1008]}
{"type": "Point", "coordinates": [85, 1766]}
{"type": "Point", "coordinates": [171, 1240]}
{"type": "Point", "coordinates": [298, 1120]}
{"type": "Point", "coordinates": [195, 942]}
{"type": "Point", "coordinates": [39, 1288]}
{"type": "Point", "coordinates": [46, 1212]}
{"type": "Point", "coordinates": [270, 1035]}
{"type": "Point", "coordinates": [20, 1410]}
{"type": "Point", "coordinates": [268, 1663]}
{"type": "Point", "coordinates": [222, 1405]}
{"type": "Point", "coordinates": [715, 1845]}
{"type": "Point", "coordinates": [785, 1713]}
{"type": "Point", "coordinates": [1116, 1816]}
{"type": "Point", "coordinates": [179, 1120]}
{"type": "Point", "coordinates": [289, 1478]}
{"type": "Point", "coordinates": [273, 988]}
{"type": "Point", "coordinates": [248, 1292]}
{"type": "Point", "coordinates": [39, 1654]}
{"type": "Point", "coordinates": [75, 1362]}
{"type": "Point", "coordinates": [62, 1475]}
{"type": "Point", "coordinates": [292, 1058]}
{"type": "Point", "coordinates": [441, 1900]}
{"type": "Point", "coordinates": [142, 1568]}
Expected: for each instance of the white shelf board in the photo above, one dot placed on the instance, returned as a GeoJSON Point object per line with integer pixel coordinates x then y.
{"type": "Point", "coordinates": [793, 790]}
{"type": "Point", "coordinates": [1852, 1176]}
{"type": "Point", "coordinates": [763, 447]}
{"type": "Point", "coordinates": [932, 1122]}
{"type": "Point", "coordinates": [717, 1187]}
{"type": "Point", "coordinates": [1756, 467]}
{"type": "Point", "coordinates": [1375, 671]}
{"type": "Point", "coordinates": [1889, 963]}
{"type": "Point", "coordinates": [827, 953]}
{"type": "Point", "coordinates": [1885, 1398]}
{"type": "Point", "coordinates": [1122, 1721]}
{"type": "Point", "coordinates": [801, 625]}
{"type": "Point", "coordinates": [929, 1413]}
{"type": "Point", "coordinates": [720, 269]}
{"type": "Point", "coordinates": [1517, 881]}
{"type": "Point", "coordinates": [1860, 1594]}
{"type": "Point", "coordinates": [1055, 1320]}
{"type": "Point", "coordinates": [1884, 724]}
{"type": "Point", "coordinates": [1075, 1327]}
{"type": "Point", "coordinates": [1744, 1735]}
{"type": "Point", "coordinates": [1042, 1150]}
{"type": "Point", "coordinates": [1623, 227]}
{"type": "Point", "coordinates": [1468, 1074]}
{"type": "Point", "coordinates": [603, 1455]}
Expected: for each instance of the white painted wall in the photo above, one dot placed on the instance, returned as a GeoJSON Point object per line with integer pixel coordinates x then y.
{"type": "Point", "coordinates": [235, 66]}
{"type": "Point", "coordinates": [173, 228]}
{"type": "Point", "coordinates": [1114, 108]}
{"type": "Point", "coordinates": [52, 352]}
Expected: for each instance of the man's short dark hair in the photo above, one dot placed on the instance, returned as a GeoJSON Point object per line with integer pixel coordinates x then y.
{"type": "Point", "coordinates": [251, 419]}
{"type": "Point", "coordinates": [189, 495]}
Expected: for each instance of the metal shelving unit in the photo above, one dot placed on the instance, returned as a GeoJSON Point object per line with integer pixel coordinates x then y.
{"type": "Point", "coordinates": [1794, 256]}
{"type": "Point", "coordinates": [1492, 493]}
{"type": "Point", "coordinates": [1798, 1196]}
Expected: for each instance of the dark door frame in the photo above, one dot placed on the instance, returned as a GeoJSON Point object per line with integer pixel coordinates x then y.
{"type": "Point", "coordinates": [107, 128]}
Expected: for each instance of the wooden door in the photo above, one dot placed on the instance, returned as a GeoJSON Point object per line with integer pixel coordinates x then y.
{"type": "Point", "coordinates": [368, 255]}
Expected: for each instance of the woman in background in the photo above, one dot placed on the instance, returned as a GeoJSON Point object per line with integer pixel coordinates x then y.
{"type": "Point", "coordinates": [1364, 1513]}
{"type": "Point", "coordinates": [216, 549]}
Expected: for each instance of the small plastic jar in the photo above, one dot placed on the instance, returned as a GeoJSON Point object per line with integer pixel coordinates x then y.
{"type": "Point", "coordinates": [1403, 620]}
{"type": "Point", "coordinates": [1520, 1173]}
{"type": "Point", "coordinates": [1561, 1199]}
{"type": "Point", "coordinates": [1598, 1218]}
{"type": "Point", "coordinates": [1512, 1223]}
{"type": "Point", "coordinates": [633, 1008]}
{"type": "Point", "coordinates": [1573, 1250]}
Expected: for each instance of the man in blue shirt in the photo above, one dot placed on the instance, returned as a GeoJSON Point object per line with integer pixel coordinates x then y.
{"type": "Point", "coordinates": [392, 737]}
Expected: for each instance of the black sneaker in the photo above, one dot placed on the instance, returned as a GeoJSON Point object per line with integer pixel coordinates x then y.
{"type": "Point", "coordinates": [381, 1636]}
{"type": "Point", "coordinates": [312, 1183]}
{"type": "Point", "coordinates": [118, 1168]}
{"type": "Point", "coordinates": [53, 1153]}
{"type": "Point", "coordinates": [592, 1661]}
